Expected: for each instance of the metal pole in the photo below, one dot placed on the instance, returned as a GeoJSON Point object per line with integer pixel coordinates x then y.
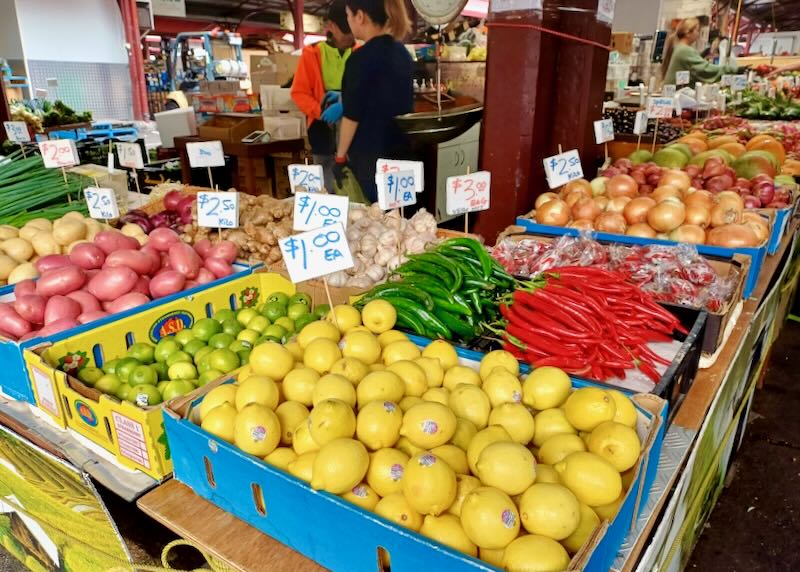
{"type": "Point", "coordinates": [299, 34]}
{"type": "Point", "coordinates": [735, 34]}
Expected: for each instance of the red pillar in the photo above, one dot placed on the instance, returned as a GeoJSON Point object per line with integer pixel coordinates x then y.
{"type": "Point", "coordinates": [299, 33]}
{"type": "Point", "coordinates": [130, 20]}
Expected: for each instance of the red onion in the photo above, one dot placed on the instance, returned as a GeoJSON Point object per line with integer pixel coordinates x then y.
{"type": "Point", "coordinates": [765, 191]}
{"type": "Point", "coordinates": [171, 200]}
{"type": "Point", "coordinates": [751, 202]}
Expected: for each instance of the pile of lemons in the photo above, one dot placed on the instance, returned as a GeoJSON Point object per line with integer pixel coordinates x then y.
{"type": "Point", "coordinates": [518, 473]}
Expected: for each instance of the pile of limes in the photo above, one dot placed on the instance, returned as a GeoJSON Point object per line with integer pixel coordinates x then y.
{"type": "Point", "coordinates": [516, 472]}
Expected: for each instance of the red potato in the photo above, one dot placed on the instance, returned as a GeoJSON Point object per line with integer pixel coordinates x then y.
{"type": "Point", "coordinates": [87, 302]}
{"type": "Point", "coordinates": [111, 283]}
{"type": "Point", "coordinates": [30, 307]}
{"type": "Point", "coordinates": [205, 276]}
{"type": "Point", "coordinates": [12, 322]}
{"type": "Point", "coordinates": [91, 274]}
{"type": "Point", "coordinates": [87, 256]}
{"type": "Point", "coordinates": [219, 267]}
{"type": "Point", "coordinates": [111, 240]}
{"type": "Point", "coordinates": [162, 239]}
{"type": "Point", "coordinates": [142, 285]}
{"type": "Point", "coordinates": [24, 288]}
{"type": "Point", "coordinates": [155, 259]}
{"type": "Point", "coordinates": [203, 247]}
{"type": "Point", "coordinates": [139, 262]}
{"type": "Point", "coordinates": [51, 261]}
{"type": "Point", "coordinates": [185, 260]}
{"type": "Point", "coordinates": [167, 282]}
{"type": "Point", "coordinates": [191, 284]}
{"type": "Point", "coordinates": [61, 307]}
{"type": "Point", "coordinates": [8, 336]}
{"type": "Point", "coordinates": [60, 281]}
{"type": "Point", "coordinates": [127, 301]}
{"type": "Point", "coordinates": [58, 326]}
{"type": "Point", "coordinates": [226, 250]}
{"type": "Point", "coordinates": [87, 317]}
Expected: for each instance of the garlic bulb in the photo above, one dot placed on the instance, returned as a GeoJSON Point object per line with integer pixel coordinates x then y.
{"type": "Point", "coordinates": [390, 238]}
{"type": "Point", "coordinates": [337, 279]}
{"type": "Point", "coordinates": [368, 245]}
{"type": "Point", "coordinates": [376, 273]}
{"type": "Point", "coordinates": [384, 256]}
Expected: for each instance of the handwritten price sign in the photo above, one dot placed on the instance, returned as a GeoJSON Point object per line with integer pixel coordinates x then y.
{"type": "Point", "coordinates": [218, 209]}
{"type": "Point", "coordinates": [669, 90]}
{"type": "Point", "coordinates": [468, 193]}
{"type": "Point", "coordinates": [316, 253]}
{"type": "Point", "coordinates": [17, 131]}
{"type": "Point", "coordinates": [563, 168]}
{"type": "Point", "coordinates": [102, 203]}
{"type": "Point", "coordinates": [130, 155]}
{"type": "Point", "coordinates": [397, 190]}
{"type": "Point", "coordinates": [391, 166]}
{"type": "Point", "coordinates": [306, 178]}
{"type": "Point", "coordinates": [313, 210]}
{"type": "Point", "coordinates": [682, 78]}
{"type": "Point", "coordinates": [205, 154]}
{"type": "Point", "coordinates": [603, 131]}
{"type": "Point", "coordinates": [739, 83]}
{"type": "Point", "coordinates": [659, 107]}
{"type": "Point", "coordinates": [640, 124]}
{"type": "Point", "coordinates": [59, 153]}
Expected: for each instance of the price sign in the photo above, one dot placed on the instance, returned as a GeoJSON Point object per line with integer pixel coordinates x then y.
{"type": "Point", "coordinates": [669, 90]}
{"type": "Point", "coordinates": [640, 125]}
{"type": "Point", "coordinates": [102, 203]}
{"type": "Point", "coordinates": [218, 209]}
{"type": "Point", "coordinates": [676, 103]}
{"type": "Point", "coordinates": [605, 11]}
{"type": "Point", "coordinates": [316, 253]}
{"type": "Point", "coordinates": [468, 193]}
{"type": "Point", "coordinates": [314, 210]}
{"type": "Point", "coordinates": [739, 83]}
{"type": "Point", "coordinates": [391, 166]}
{"type": "Point", "coordinates": [727, 79]}
{"type": "Point", "coordinates": [130, 155]}
{"type": "Point", "coordinates": [563, 168]}
{"type": "Point", "coordinates": [205, 154]}
{"type": "Point", "coordinates": [682, 78]}
{"type": "Point", "coordinates": [17, 131]}
{"type": "Point", "coordinates": [659, 107]}
{"type": "Point", "coordinates": [59, 153]}
{"type": "Point", "coordinates": [306, 178]}
{"type": "Point", "coordinates": [398, 189]}
{"type": "Point", "coordinates": [603, 131]}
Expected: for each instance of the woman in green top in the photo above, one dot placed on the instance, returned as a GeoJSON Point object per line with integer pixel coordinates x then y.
{"type": "Point", "coordinates": [680, 55]}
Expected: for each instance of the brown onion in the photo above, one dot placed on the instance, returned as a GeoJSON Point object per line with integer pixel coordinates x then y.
{"type": "Point", "coordinates": [555, 213]}
{"type": "Point", "coordinates": [622, 186]}
{"type": "Point", "coordinates": [636, 210]}
{"type": "Point", "coordinates": [641, 229]}
{"type": "Point", "coordinates": [730, 196]}
{"type": "Point", "coordinates": [732, 236]}
{"type": "Point", "coordinates": [598, 185]}
{"type": "Point", "coordinates": [575, 196]}
{"type": "Point", "coordinates": [543, 198]}
{"type": "Point", "coordinates": [610, 222]}
{"type": "Point", "coordinates": [667, 215]}
{"type": "Point", "coordinates": [698, 216]}
{"type": "Point", "coordinates": [577, 185]}
{"type": "Point", "coordinates": [586, 209]}
{"type": "Point", "coordinates": [690, 233]}
{"type": "Point", "coordinates": [725, 213]}
{"type": "Point", "coordinates": [699, 198]}
{"type": "Point", "coordinates": [617, 204]}
{"type": "Point", "coordinates": [675, 178]}
{"type": "Point", "coordinates": [602, 202]}
{"type": "Point", "coordinates": [758, 224]}
{"type": "Point", "coordinates": [665, 191]}
{"type": "Point", "coordinates": [582, 224]}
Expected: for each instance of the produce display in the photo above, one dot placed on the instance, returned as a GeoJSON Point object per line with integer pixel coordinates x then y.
{"type": "Point", "coordinates": [40, 113]}
{"type": "Point", "coordinates": [442, 449]}
{"type": "Point", "coordinates": [668, 129]}
{"type": "Point", "coordinates": [756, 105]}
{"type": "Point", "coordinates": [177, 212]}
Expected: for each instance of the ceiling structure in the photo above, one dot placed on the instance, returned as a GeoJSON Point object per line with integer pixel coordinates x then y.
{"type": "Point", "coordinates": [233, 13]}
{"type": "Point", "coordinates": [782, 15]}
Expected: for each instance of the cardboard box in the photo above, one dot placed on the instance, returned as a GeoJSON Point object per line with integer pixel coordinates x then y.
{"type": "Point", "coordinates": [282, 65]}
{"type": "Point", "coordinates": [262, 78]}
{"type": "Point", "coordinates": [175, 123]}
{"type": "Point", "coordinates": [622, 42]}
{"type": "Point", "coordinates": [230, 128]}
{"type": "Point", "coordinates": [285, 125]}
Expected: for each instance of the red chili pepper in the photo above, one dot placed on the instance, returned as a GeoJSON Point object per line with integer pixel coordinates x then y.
{"type": "Point", "coordinates": [531, 339]}
{"type": "Point", "coordinates": [649, 371]}
{"type": "Point", "coordinates": [653, 355]}
{"type": "Point", "coordinates": [551, 310]}
{"type": "Point", "coordinates": [540, 319]}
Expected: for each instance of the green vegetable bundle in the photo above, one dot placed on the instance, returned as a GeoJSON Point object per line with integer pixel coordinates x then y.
{"type": "Point", "coordinates": [448, 292]}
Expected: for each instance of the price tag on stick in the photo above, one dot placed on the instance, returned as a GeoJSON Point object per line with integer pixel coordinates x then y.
{"type": "Point", "coordinates": [130, 155]}
{"type": "Point", "coordinates": [59, 153]}
{"type": "Point", "coordinates": [603, 131]}
{"type": "Point", "coordinates": [468, 193]}
{"type": "Point", "coordinates": [562, 168]}
{"type": "Point", "coordinates": [102, 203]}
{"type": "Point", "coordinates": [640, 124]}
{"type": "Point", "coordinates": [391, 166]}
{"type": "Point", "coordinates": [398, 190]}
{"type": "Point", "coordinates": [682, 78]}
{"type": "Point", "coordinates": [218, 209]}
{"type": "Point", "coordinates": [316, 253]}
{"type": "Point", "coordinates": [669, 90]}
{"type": "Point", "coordinates": [206, 154]}
{"type": "Point", "coordinates": [659, 107]}
{"type": "Point", "coordinates": [306, 178]}
{"type": "Point", "coordinates": [17, 131]}
{"type": "Point", "coordinates": [315, 210]}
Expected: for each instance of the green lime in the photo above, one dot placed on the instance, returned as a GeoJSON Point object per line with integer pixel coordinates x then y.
{"type": "Point", "coordinates": [224, 315]}
{"type": "Point", "coordinates": [143, 375]}
{"type": "Point", "coordinates": [238, 346]}
{"type": "Point", "coordinates": [300, 298]}
{"type": "Point", "coordinates": [281, 298]}
{"type": "Point", "coordinates": [209, 375]}
{"type": "Point", "coordinates": [201, 353]}
{"type": "Point", "coordinates": [244, 356]}
{"type": "Point", "coordinates": [249, 336]}
{"type": "Point", "coordinates": [182, 370]}
{"type": "Point", "coordinates": [177, 388]}
{"type": "Point", "coordinates": [162, 384]}
{"type": "Point", "coordinates": [321, 311]}
{"type": "Point", "coordinates": [286, 323]}
{"type": "Point", "coordinates": [184, 337]}
{"type": "Point", "coordinates": [161, 368]}
{"type": "Point", "coordinates": [125, 367]}
{"type": "Point", "coordinates": [111, 366]}
{"type": "Point", "coordinates": [178, 356]}
{"type": "Point", "coordinates": [144, 395]}
{"type": "Point", "coordinates": [89, 375]}
{"type": "Point", "coordinates": [276, 331]}
{"type": "Point", "coordinates": [123, 391]}
{"type": "Point", "coordinates": [221, 340]}
{"type": "Point", "coordinates": [143, 352]}
{"type": "Point", "coordinates": [205, 328]}
{"type": "Point", "coordinates": [223, 359]}
{"type": "Point", "coordinates": [259, 324]}
{"type": "Point", "coordinates": [245, 315]}
{"type": "Point", "coordinates": [297, 310]}
{"type": "Point", "coordinates": [303, 321]}
{"type": "Point", "coordinates": [108, 384]}
{"type": "Point", "coordinates": [195, 346]}
{"type": "Point", "coordinates": [204, 366]}
{"type": "Point", "coordinates": [166, 347]}
{"type": "Point", "coordinates": [232, 327]}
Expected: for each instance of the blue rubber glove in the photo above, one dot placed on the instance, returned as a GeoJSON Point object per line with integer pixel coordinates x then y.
{"type": "Point", "coordinates": [333, 113]}
{"type": "Point", "coordinates": [331, 97]}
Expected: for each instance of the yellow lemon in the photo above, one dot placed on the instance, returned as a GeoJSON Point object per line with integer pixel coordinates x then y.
{"type": "Point", "coordinates": [616, 443]}
{"type": "Point", "coordinates": [408, 402]}
{"type": "Point", "coordinates": [551, 422]}
{"type": "Point", "coordinates": [321, 354]}
{"type": "Point", "coordinates": [377, 367]}
{"type": "Point", "coordinates": [498, 358]}
{"type": "Point", "coordinates": [339, 466]}
{"type": "Point", "coordinates": [303, 466]}
{"type": "Point", "coordinates": [380, 386]}
{"type": "Point", "coordinates": [429, 484]}
{"type": "Point", "coordinates": [344, 317]}
{"type": "Point", "coordinates": [591, 478]}
{"type": "Point", "coordinates": [386, 338]}
{"type": "Point", "coordinates": [407, 447]}
{"type": "Point", "coordinates": [442, 351]}
{"type": "Point", "coordinates": [294, 348]}
{"type": "Point", "coordinates": [331, 419]}
{"type": "Point", "coordinates": [459, 374]}
{"type": "Point", "coordinates": [379, 316]}
{"type": "Point", "coordinates": [516, 419]}
{"type": "Point", "coordinates": [502, 387]}
{"type": "Point", "coordinates": [465, 431]}
{"type": "Point", "coordinates": [437, 394]}
{"type": "Point", "coordinates": [507, 466]}
{"type": "Point", "coordinates": [490, 518]}
{"type": "Point", "coordinates": [395, 507]}
{"type": "Point", "coordinates": [534, 553]}
{"type": "Point", "coordinates": [378, 424]}
{"type": "Point", "coordinates": [546, 387]}
{"type": "Point", "coordinates": [221, 421]}
{"type": "Point", "coordinates": [465, 484]}
{"type": "Point", "coordinates": [482, 439]}
{"type": "Point", "coordinates": [272, 360]}
{"type": "Point", "coordinates": [609, 511]}
{"type": "Point", "coordinates": [589, 521]}
{"type": "Point", "coordinates": [453, 456]}
{"type": "Point", "coordinates": [385, 472]}
{"type": "Point", "coordinates": [257, 389]}
{"type": "Point", "coordinates": [434, 372]}
{"type": "Point", "coordinates": [362, 495]}
{"type": "Point", "coordinates": [351, 368]}
{"type": "Point", "coordinates": [412, 375]}
{"type": "Point", "coordinates": [298, 385]}
{"type": "Point", "coordinates": [428, 424]}
{"type": "Point", "coordinates": [471, 403]}
{"type": "Point", "coordinates": [546, 474]}
{"type": "Point", "coordinates": [318, 329]}
{"type": "Point", "coordinates": [244, 373]}
{"type": "Point", "coordinates": [447, 530]}
{"type": "Point", "coordinates": [301, 440]}
{"type": "Point", "coordinates": [217, 396]}
{"type": "Point", "coordinates": [557, 447]}
{"type": "Point", "coordinates": [588, 407]}
{"type": "Point", "coordinates": [550, 510]}
{"type": "Point", "coordinates": [257, 430]}
{"type": "Point", "coordinates": [290, 414]}
{"type": "Point", "coordinates": [362, 346]}
{"type": "Point", "coordinates": [334, 386]}
{"type": "Point", "coordinates": [401, 350]}
{"type": "Point", "coordinates": [281, 457]}
{"type": "Point", "coordinates": [493, 557]}
{"type": "Point", "coordinates": [625, 412]}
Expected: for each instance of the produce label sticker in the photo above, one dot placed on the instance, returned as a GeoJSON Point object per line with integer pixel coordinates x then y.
{"type": "Point", "coordinates": [640, 125]}
{"type": "Point", "coordinates": [130, 438]}
{"type": "Point", "coordinates": [727, 79]}
{"type": "Point", "coordinates": [563, 168]}
{"type": "Point", "coordinates": [739, 83]}
{"type": "Point", "coordinates": [306, 178]}
{"type": "Point", "coordinates": [605, 11]}
{"type": "Point", "coordinates": [669, 90]}
{"type": "Point", "coordinates": [391, 166]}
{"type": "Point", "coordinates": [218, 209]}
{"type": "Point", "coordinates": [45, 391]}
{"type": "Point", "coordinates": [205, 154]}
{"type": "Point", "coordinates": [102, 203]}
{"type": "Point", "coordinates": [17, 131]}
{"type": "Point", "coordinates": [682, 78]}
{"type": "Point", "coordinates": [603, 131]}
{"type": "Point", "coordinates": [659, 107]}
{"type": "Point", "coordinates": [59, 153]}
{"type": "Point", "coordinates": [316, 253]}
{"type": "Point", "coordinates": [314, 210]}
{"type": "Point", "coordinates": [130, 155]}
{"type": "Point", "coordinates": [468, 193]}
{"type": "Point", "coordinates": [397, 189]}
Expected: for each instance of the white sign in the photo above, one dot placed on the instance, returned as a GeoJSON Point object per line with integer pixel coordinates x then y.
{"type": "Point", "coordinates": [669, 90]}
{"type": "Point", "coordinates": [727, 79]}
{"type": "Point", "coordinates": [17, 131]}
{"type": "Point", "coordinates": [174, 8]}
{"type": "Point", "coordinates": [640, 125]}
{"type": "Point", "coordinates": [605, 11]}
{"type": "Point", "coordinates": [59, 153]}
{"type": "Point", "coordinates": [389, 165]}
{"type": "Point", "coordinates": [218, 209]}
{"type": "Point", "coordinates": [659, 107]}
{"type": "Point", "coordinates": [315, 210]}
{"type": "Point", "coordinates": [603, 131]}
{"type": "Point", "coordinates": [205, 154]}
{"type": "Point", "coordinates": [739, 83]}
{"type": "Point", "coordinates": [130, 155]}
{"type": "Point", "coordinates": [102, 203]}
{"type": "Point", "coordinates": [468, 193]}
{"type": "Point", "coordinates": [316, 253]}
{"type": "Point", "coordinates": [722, 102]}
{"type": "Point", "coordinates": [563, 168]}
{"type": "Point", "coordinates": [397, 189]}
{"type": "Point", "coordinates": [498, 6]}
{"type": "Point", "coordinates": [306, 178]}
{"type": "Point", "coordinates": [676, 103]}
{"type": "Point", "coordinates": [682, 78]}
